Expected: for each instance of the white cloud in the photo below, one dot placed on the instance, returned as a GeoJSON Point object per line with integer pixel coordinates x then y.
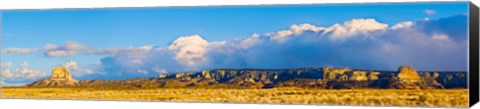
{"type": "Point", "coordinates": [336, 31]}
{"type": "Point", "coordinates": [402, 25]}
{"type": "Point", "coordinates": [68, 49]}
{"type": "Point", "coordinates": [6, 72]}
{"type": "Point", "coordinates": [294, 30]}
{"type": "Point", "coordinates": [250, 41]}
{"type": "Point", "coordinates": [189, 50]}
{"type": "Point", "coordinates": [429, 12]}
{"type": "Point", "coordinates": [22, 72]}
{"type": "Point", "coordinates": [70, 65]}
{"type": "Point", "coordinates": [16, 50]}
{"type": "Point", "coordinates": [71, 48]}
{"type": "Point", "coordinates": [187, 53]}
{"type": "Point", "coordinates": [78, 70]}
{"type": "Point", "coordinates": [354, 27]}
{"type": "Point", "coordinates": [406, 43]}
{"type": "Point", "coordinates": [25, 72]}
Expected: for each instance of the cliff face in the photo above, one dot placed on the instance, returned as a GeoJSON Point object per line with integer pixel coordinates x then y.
{"type": "Point", "coordinates": [408, 78]}
{"type": "Point", "coordinates": [59, 77]}
{"type": "Point", "coordinates": [328, 78]}
{"type": "Point", "coordinates": [61, 74]}
{"type": "Point", "coordinates": [408, 74]}
{"type": "Point", "coordinates": [332, 78]}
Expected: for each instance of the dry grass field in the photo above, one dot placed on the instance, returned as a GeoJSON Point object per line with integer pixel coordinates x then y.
{"type": "Point", "coordinates": [377, 97]}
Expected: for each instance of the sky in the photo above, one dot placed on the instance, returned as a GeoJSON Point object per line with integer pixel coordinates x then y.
{"type": "Point", "coordinates": [123, 43]}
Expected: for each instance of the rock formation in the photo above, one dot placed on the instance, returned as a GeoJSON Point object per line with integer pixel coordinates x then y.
{"type": "Point", "coordinates": [61, 74]}
{"type": "Point", "coordinates": [161, 76]}
{"type": "Point", "coordinates": [59, 77]}
{"type": "Point", "coordinates": [206, 74]}
{"type": "Point", "coordinates": [330, 78]}
{"type": "Point", "coordinates": [373, 76]}
{"type": "Point", "coordinates": [359, 76]}
{"type": "Point", "coordinates": [408, 74]}
{"type": "Point", "coordinates": [430, 80]}
{"type": "Point", "coordinates": [408, 78]}
{"type": "Point", "coordinates": [335, 74]}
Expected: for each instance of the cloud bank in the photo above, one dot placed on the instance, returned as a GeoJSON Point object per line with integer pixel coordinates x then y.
{"type": "Point", "coordinates": [363, 43]}
{"type": "Point", "coordinates": [358, 43]}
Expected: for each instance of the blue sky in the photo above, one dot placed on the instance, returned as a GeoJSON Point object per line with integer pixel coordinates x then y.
{"type": "Point", "coordinates": [137, 27]}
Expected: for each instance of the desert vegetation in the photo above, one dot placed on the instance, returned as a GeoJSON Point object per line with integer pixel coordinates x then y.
{"type": "Point", "coordinates": [285, 95]}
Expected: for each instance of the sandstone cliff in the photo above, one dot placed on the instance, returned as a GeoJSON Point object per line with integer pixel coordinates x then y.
{"type": "Point", "coordinates": [329, 78]}
{"type": "Point", "coordinates": [408, 78]}
{"type": "Point", "coordinates": [333, 78]}
{"type": "Point", "coordinates": [59, 77]}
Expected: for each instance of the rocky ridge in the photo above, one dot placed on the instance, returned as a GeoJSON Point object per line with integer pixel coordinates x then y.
{"type": "Point", "coordinates": [328, 78]}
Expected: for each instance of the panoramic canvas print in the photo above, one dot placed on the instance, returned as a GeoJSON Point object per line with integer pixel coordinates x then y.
{"type": "Point", "coordinates": [378, 54]}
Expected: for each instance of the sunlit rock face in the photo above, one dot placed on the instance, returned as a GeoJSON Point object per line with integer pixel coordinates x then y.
{"type": "Point", "coordinates": [61, 74]}
{"type": "Point", "coordinates": [59, 77]}
{"type": "Point", "coordinates": [408, 78]}
{"type": "Point", "coordinates": [408, 74]}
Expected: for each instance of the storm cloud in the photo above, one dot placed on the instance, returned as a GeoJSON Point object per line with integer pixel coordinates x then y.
{"type": "Point", "coordinates": [362, 43]}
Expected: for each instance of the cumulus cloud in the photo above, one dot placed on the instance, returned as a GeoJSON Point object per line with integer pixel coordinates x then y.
{"type": "Point", "coordinates": [79, 71]}
{"type": "Point", "coordinates": [354, 27]}
{"type": "Point", "coordinates": [21, 73]}
{"type": "Point", "coordinates": [293, 31]}
{"type": "Point", "coordinates": [70, 65]}
{"type": "Point", "coordinates": [189, 50]}
{"type": "Point", "coordinates": [16, 50]}
{"type": "Point", "coordinates": [365, 43]}
{"type": "Point", "coordinates": [187, 53]}
{"type": "Point", "coordinates": [334, 32]}
{"type": "Point", "coordinates": [429, 12]}
{"type": "Point", "coordinates": [68, 49]}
